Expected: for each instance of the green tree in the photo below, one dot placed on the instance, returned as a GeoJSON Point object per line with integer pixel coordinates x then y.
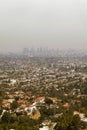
{"type": "Point", "coordinates": [6, 118]}
{"type": "Point", "coordinates": [75, 124]}
{"type": "Point", "coordinates": [14, 105]}
{"type": "Point", "coordinates": [48, 101]}
{"type": "Point", "coordinates": [68, 122]}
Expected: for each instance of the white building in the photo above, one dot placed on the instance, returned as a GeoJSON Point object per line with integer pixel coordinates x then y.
{"type": "Point", "coordinates": [44, 128]}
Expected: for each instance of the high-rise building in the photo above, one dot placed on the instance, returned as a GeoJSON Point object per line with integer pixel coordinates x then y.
{"type": "Point", "coordinates": [25, 51]}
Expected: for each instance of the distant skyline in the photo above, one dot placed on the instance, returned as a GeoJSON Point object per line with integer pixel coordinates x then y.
{"type": "Point", "coordinates": [43, 23]}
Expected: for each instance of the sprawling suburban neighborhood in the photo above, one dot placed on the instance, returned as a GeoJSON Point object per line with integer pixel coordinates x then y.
{"type": "Point", "coordinates": [43, 93]}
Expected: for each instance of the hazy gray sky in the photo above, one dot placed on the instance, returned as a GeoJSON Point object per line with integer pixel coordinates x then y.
{"type": "Point", "coordinates": [53, 23]}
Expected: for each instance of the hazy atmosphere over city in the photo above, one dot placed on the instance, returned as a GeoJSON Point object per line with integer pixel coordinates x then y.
{"type": "Point", "coordinates": [43, 23]}
{"type": "Point", "coordinates": [43, 64]}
